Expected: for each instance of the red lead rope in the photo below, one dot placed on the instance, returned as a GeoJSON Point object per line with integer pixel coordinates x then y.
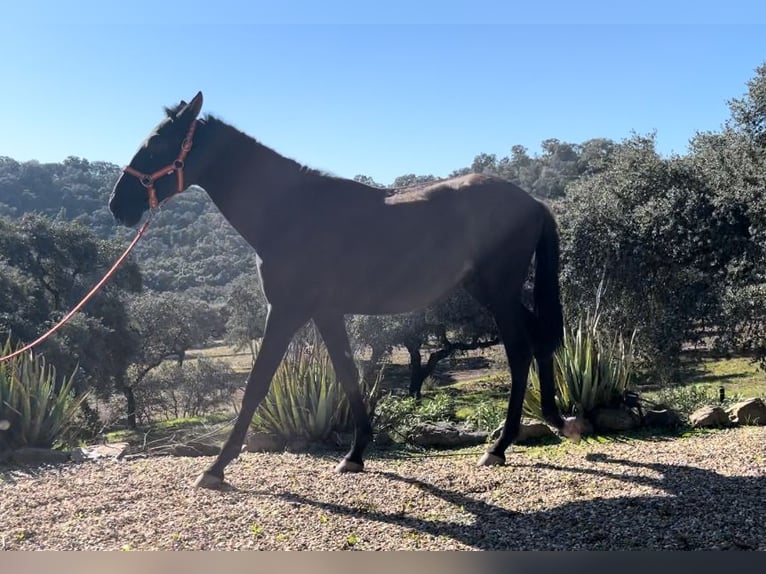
{"type": "Point", "coordinates": [85, 299]}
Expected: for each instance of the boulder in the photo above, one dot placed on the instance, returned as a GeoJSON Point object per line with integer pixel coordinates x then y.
{"type": "Point", "coordinates": [709, 417]}
{"type": "Point", "coordinates": [662, 418]}
{"type": "Point", "coordinates": [531, 430]}
{"type": "Point", "coordinates": [34, 456]}
{"type": "Point", "coordinates": [95, 451]}
{"type": "Point", "coordinates": [614, 419]}
{"type": "Point", "coordinates": [383, 439]}
{"type": "Point", "coordinates": [5, 454]}
{"type": "Point", "coordinates": [445, 435]}
{"type": "Point", "coordinates": [263, 442]}
{"type": "Point", "coordinates": [748, 412]}
{"type": "Point", "coordinates": [297, 444]}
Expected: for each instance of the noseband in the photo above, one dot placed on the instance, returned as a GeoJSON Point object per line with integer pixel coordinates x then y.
{"type": "Point", "coordinates": [177, 167]}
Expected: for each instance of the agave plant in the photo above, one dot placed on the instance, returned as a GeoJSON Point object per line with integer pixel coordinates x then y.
{"type": "Point", "coordinates": [593, 368]}
{"type": "Point", "coordinates": [305, 399]}
{"type": "Point", "coordinates": [38, 409]}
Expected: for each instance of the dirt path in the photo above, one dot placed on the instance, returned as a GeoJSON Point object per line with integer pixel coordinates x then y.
{"type": "Point", "coordinates": [702, 492]}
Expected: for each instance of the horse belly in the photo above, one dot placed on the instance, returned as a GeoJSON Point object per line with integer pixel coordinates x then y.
{"type": "Point", "coordinates": [398, 287]}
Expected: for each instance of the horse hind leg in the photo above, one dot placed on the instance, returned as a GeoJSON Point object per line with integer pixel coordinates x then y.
{"type": "Point", "coordinates": [333, 331]}
{"type": "Point", "coordinates": [570, 427]}
{"type": "Point", "coordinates": [519, 353]}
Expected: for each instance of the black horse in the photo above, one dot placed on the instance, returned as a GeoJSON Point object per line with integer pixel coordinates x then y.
{"type": "Point", "coordinates": [329, 247]}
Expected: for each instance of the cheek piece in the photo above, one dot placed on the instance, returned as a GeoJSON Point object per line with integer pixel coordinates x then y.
{"type": "Point", "coordinates": [177, 167]}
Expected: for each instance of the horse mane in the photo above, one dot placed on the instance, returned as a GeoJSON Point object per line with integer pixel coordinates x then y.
{"type": "Point", "coordinates": [298, 166]}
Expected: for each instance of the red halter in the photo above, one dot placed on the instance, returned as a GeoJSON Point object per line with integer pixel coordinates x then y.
{"type": "Point", "coordinates": [177, 167]}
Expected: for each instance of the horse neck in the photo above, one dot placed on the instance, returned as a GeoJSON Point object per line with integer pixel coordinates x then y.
{"type": "Point", "coordinates": [246, 180]}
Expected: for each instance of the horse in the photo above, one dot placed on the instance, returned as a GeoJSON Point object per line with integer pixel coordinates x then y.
{"type": "Point", "coordinates": [329, 247]}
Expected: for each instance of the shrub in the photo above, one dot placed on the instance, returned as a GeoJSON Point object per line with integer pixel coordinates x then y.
{"type": "Point", "coordinates": [305, 399]}
{"type": "Point", "coordinates": [398, 415]}
{"type": "Point", "coordinates": [687, 399]}
{"type": "Point", "coordinates": [180, 391]}
{"type": "Point", "coordinates": [40, 409]}
{"type": "Point", "coordinates": [592, 369]}
{"type": "Point", "coordinates": [487, 416]}
{"type": "Point", "coordinates": [439, 407]}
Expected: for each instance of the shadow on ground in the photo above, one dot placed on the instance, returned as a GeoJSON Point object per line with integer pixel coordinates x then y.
{"type": "Point", "coordinates": [700, 509]}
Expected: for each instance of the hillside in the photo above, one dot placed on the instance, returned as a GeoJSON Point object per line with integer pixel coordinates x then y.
{"type": "Point", "coordinates": [189, 247]}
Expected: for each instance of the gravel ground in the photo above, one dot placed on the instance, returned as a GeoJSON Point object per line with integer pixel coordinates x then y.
{"type": "Point", "coordinates": [707, 491]}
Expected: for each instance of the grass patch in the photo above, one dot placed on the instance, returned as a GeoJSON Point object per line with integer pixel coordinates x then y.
{"type": "Point", "coordinates": [240, 361]}
{"type": "Point", "coordinates": [738, 375]}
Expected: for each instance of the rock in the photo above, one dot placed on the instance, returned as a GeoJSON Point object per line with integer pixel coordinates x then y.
{"type": "Point", "coordinates": [195, 448]}
{"type": "Point", "coordinates": [34, 456]}
{"type": "Point", "coordinates": [748, 412]}
{"type": "Point", "coordinates": [614, 419]}
{"type": "Point", "coordinates": [93, 452]}
{"type": "Point", "coordinates": [662, 418]}
{"type": "Point", "coordinates": [531, 430]}
{"type": "Point", "coordinates": [383, 439]}
{"type": "Point", "coordinates": [297, 445]}
{"type": "Point", "coordinates": [445, 435]}
{"type": "Point", "coordinates": [263, 442]}
{"type": "Point", "coordinates": [709, 417]}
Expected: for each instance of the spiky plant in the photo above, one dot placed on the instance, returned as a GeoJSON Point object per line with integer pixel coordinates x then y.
{"type": "Point", "coordinates": [39, 410]}
{"type": "Point", "coordinates": [593, 368]}
{"type": "Point", "coordinates": [305, 399]}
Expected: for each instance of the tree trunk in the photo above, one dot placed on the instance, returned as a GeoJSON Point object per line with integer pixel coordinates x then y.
{"type": "Point", "coordinates": [417, 373]}
{"type": "Point", "coordinates": [372, 367]}
{"type": "Point", "coordinates": [131, 412]}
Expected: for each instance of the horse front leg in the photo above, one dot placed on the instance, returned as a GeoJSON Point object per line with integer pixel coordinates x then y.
{"type": "Point", "coordinates": [281, 326]}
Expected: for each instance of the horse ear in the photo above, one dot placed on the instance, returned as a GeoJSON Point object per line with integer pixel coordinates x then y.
{"type": "Point", "coordinates": [192, 109]}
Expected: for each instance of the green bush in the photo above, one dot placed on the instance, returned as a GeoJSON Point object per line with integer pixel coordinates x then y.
{"type": "Point", "coordinates": [398, 415]}
{"type": "Point", "coordinates": [439, 407]}
{"type": "Point", "coordinates": [592, 369]}
{"type": "Point", "coordinates": [39, 409]}
{"type": "Point", "coordinates": [687, 399]}
{"type": "Point", "coordinates": [193, 389]}
{"type": "Point", "coordinates": [487, 416]}
{"type": "Point", "coordinates": [305, 399]}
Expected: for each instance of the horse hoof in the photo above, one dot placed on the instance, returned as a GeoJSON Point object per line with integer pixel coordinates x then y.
{"type": "Point", "coordinates": [349, 466]}
{"type": "Point", "coordinates": [207, 480]}
{"type": "Point", "coordinates": [489, 459]}
{"type": "Point", "coordinates": [573, 429]}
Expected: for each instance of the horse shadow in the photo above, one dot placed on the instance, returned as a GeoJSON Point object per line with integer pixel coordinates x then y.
{"type": "Point", "coordinates": [697, 509]}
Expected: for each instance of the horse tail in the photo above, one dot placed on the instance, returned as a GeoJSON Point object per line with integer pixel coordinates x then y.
{"type": "Point", "coordinates": [547, 298]}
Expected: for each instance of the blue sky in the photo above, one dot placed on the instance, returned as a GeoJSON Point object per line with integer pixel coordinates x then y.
{"type": "Point", "coordinates": [375, 88]}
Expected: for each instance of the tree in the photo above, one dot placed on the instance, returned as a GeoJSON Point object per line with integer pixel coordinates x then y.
{"type": "Point", "coordinates": [47, 267]}
{"type": "Point", "coordinates": [367, 180]}
{"type": "Point", "coordinates": [732, 163]}
{"type": "Point", "coordinates": [247, 308]}
{"type": "Point", "coordinates": [659, 236]}
{"type": "Point", "coordinates": [186, 390]}
{"type": "Point", "coordinates": [748, 114]}
{"type": "Point", "coordinates": [164, 326]}
{"type": "Point", "coordinates": [453, 325]}
{"type": "Point", "coordinates": [411, 180]}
